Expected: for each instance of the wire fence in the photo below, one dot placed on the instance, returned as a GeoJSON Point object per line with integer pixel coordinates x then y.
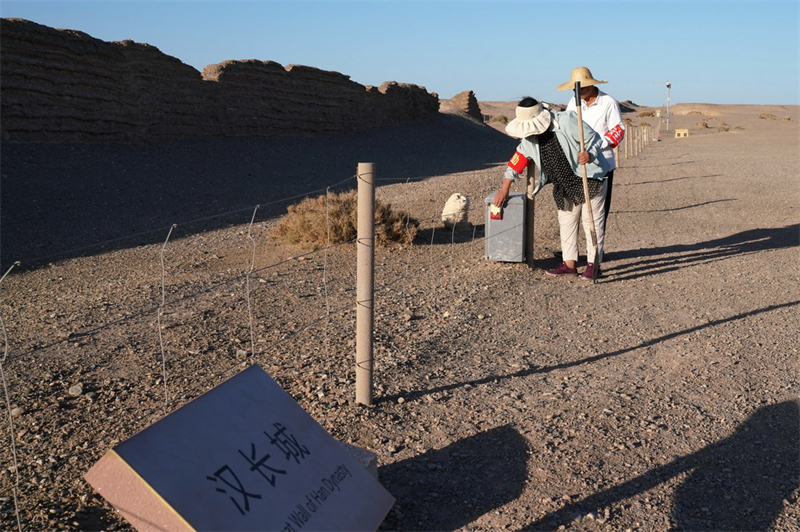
{"type": "Point", "coordinates": [142, 330]}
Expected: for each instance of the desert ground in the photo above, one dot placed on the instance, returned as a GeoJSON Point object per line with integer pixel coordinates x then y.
{"type": "Point", "coordinates": [662, 397]}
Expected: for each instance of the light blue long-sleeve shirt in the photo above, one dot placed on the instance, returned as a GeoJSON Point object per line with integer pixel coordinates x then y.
{"type": "Point", "coordinates": [565, 126]}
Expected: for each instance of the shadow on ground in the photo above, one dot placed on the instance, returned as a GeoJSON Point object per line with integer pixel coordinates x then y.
{"type": "Point", "coordinates": [483, 472]}
{"type": "Point", "coordinates": [649, 261]}
{"type": "Point", "coordinates": [61, 200]}
{"type": "Point", "coordinates": [739, 483]}
{"type": "Point", "coordinates": [410, 395]}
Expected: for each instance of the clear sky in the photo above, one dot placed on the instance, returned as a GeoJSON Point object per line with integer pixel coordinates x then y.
{"type": "Point", "coordinates": [726, 52]}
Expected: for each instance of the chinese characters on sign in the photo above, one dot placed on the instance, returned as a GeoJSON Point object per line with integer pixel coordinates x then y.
{"type": "Point", "coordinates": [242, 456]}
{"type": "Point", "coordinates": [285, 442]}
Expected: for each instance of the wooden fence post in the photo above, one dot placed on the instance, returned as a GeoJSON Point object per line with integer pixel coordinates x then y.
{"type": "Point", "coordinates": [627, 141]}
{"type": "Point", "coordinates": [365, 264]}
{"type": "Point", "coordinates": [530, 213]}
{"type": "Point", "coordinates": [639, 138]}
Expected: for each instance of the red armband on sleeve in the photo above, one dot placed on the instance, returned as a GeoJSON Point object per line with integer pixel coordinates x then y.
{"type": "Point", "coordinates": [518, 162]}
{"type": "Point", "coordinates": [615, 136]}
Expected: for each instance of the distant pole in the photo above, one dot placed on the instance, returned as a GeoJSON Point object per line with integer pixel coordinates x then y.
{"type": "Point", "coordinates": [365, 264]}
{"type": "Point", "coordinates": [669, 86]}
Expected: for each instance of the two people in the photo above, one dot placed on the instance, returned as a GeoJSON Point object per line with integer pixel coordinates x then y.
{"type": "Point", "coordinates": [551, 141]}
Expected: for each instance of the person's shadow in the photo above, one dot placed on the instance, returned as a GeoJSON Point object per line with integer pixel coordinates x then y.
{"type": "Point", "coordinates": [449, 488]}
{"type": "Point", "coordinates": [739, 483]}
{"type": "Point", "coordinates": [643, 262]}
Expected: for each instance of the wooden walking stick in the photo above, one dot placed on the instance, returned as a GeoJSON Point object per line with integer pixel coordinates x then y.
{"type": "Point", "coordinates": [593, 234]}
{"type": "Point", "coordinates": [530, 214]}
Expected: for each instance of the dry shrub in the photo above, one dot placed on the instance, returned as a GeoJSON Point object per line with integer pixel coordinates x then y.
{"type": "Point", "coordinates": [307, 223]}
{"type": "Point", "coordinates": [646, 114]}
{"type": "Point", "coordinates": [503, 119]}
{"type": "Point", "coordinates": [703, 123]}
{"type": "Point", "coordinates": [786, 118]}
{"type": "Point", "coordinates": [693, 113]}
{"type": "Point", "coordinates": [723, 127]}
{"type": "Point", "coordinates": [767, 116]}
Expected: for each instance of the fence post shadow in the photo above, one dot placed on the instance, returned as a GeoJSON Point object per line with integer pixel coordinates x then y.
{"type": "Point", "coordinates": [738, 483]}
{"type": "Point", "coordinates": [485, 471]}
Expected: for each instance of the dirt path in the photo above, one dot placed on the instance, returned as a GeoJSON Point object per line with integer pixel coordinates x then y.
{"type": "Point", "coordinates": [663, 397]}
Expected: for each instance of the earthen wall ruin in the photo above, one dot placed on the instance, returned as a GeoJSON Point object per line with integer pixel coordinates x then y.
{"type": "Point", "coordinates": [66, 86]}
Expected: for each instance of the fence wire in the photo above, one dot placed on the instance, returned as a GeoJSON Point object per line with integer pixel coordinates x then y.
{"type": "Point", "coordinates": [181, 303]}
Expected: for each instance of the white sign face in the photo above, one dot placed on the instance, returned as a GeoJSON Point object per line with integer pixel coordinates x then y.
{"type": "Point", "coordinates": [245, 456]}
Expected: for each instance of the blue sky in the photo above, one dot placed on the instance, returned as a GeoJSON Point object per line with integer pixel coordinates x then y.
{"type": "Point", "coordinates": [711, 51]}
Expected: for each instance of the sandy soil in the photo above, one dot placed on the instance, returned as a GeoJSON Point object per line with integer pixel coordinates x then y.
{"type": "Point", "coordinates": [663, 397]}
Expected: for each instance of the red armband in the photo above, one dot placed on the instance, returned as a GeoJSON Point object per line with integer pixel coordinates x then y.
{"type": "Point", "coordinates": [518, 162]}
{"type": "Point", "coordinates": [615, 136]}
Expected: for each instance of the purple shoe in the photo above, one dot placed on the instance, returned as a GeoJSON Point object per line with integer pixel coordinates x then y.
{"type": "Point", "coordinates": [587, 273]}
{"type": "Point", "coordinates": [562, 269]}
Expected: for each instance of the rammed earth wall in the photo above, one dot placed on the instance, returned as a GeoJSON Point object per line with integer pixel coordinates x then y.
{"type": "Point", "coordinates": [64, 85]}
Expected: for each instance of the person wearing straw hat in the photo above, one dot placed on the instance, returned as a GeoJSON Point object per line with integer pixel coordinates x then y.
{"type": "Point", "coordinates": [602, 113]}
{"type": "Point", "coordinates": [551, 141]}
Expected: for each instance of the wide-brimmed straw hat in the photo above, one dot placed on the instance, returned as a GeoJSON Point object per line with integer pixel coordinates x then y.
{"type": "Point", "coordinates": [582, 74]}
{"type": "Point", "coordinates": [529, 121]}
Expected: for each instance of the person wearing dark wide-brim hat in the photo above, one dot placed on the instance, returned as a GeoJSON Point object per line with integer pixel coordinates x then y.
{"type": "Point", "coordinates": [602, 113]}
{"type": "Point", "coordinates": [551, 141]}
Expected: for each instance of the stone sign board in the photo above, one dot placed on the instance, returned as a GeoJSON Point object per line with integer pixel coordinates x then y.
{"type": "Point", "coordinates": [243, 456]}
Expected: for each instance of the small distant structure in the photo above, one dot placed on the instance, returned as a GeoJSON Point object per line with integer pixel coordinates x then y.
{"type": "Point", "coordinates": [681, 133]}
{"type": "Point", "coordinates": [467, 103]}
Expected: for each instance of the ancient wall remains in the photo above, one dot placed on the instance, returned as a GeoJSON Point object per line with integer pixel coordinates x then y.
{"type": "Point", "coordinates": [64, 85]}
{"type": "Point", "coordinates": [467, 103]}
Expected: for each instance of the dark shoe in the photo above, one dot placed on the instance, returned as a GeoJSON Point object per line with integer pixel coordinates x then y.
{"type": "Point", "coordinates": [587, 273]}
{"type": "Point", "coordinates": [562, 269]}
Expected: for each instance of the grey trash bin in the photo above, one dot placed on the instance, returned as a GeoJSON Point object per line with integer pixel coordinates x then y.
{"type": "Point", "coordinates": [505, 239]}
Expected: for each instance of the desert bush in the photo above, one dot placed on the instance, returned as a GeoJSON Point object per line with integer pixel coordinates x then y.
{"type": "Point", "coordinates": [308, 222]}
{"type": "Point", "coordinates": [738, 128]}
{"type": "Point", "coordinates": [723, 127]}
{"type": "Point", "coordinates": [703, 123]}
{"type": "Point", "coordinates": [693, 113]}
{"type": "Point", "coordinates": [786, 118]}
{"type": "Point", "coordinates": [645, 114]}
{"type": "Point", "coordinates": [767, 116]}
{"type": "Point", "coordinates": [503, 119]}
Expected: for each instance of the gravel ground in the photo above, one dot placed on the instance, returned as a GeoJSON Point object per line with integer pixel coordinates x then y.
{"type": "Point", "coordinates": [663, 397]}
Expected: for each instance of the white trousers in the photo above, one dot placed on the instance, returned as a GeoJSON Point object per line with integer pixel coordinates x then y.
{"type": "Point", "coordinates": [569, 221]}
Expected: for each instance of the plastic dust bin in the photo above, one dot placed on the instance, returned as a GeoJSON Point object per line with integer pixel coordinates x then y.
{"type": "Point", "coordinates": [505, 238]}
